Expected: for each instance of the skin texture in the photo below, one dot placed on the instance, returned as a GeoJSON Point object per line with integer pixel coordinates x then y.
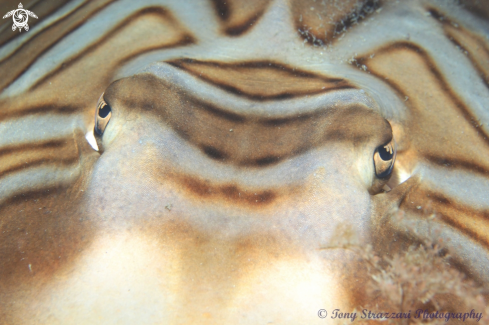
{"type": "Point", "coordinates": [227, 169]}
{"type": "Point", "coordinates": [219, 241]}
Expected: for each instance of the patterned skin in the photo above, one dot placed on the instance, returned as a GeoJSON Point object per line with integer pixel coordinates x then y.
{"type": "Point", "coordinates": [241, 138]}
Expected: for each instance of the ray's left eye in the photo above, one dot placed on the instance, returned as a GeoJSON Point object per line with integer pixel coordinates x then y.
{"type": "Point", "coordinates": [384, 158]}
{"type": "Point", "coordinates": [102, 115]}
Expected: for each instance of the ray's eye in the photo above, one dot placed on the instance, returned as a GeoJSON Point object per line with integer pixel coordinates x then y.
{"type": "Point", "coordinates": [384, 158]}
{"type": "Point", "coordinates": [102, 115]}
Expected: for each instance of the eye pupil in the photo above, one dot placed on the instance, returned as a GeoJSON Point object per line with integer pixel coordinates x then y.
{"type": "Point", "coordinates": [384, 153]}
{"type": "Point", "coordinates": [384, 157]}
{"type": "Point", "coordinates": [104, 111]}
{"type": "Point", "coordinates": [102, 115]}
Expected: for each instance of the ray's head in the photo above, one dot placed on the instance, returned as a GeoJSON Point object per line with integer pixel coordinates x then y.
{"type": "Point", "coordinates": [166, 132]}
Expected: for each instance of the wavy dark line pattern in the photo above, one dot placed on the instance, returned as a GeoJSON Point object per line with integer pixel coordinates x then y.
{"type": "Point", "coordinates": [159, 11]}
{"type": "Point", "coordinates": [15, 158]}
{"type": "Point", "coordinates": [261, 80]}
{"type": "Point", "coordinates": [14, 149]}
{"type": "Point", "coordinates": [433, 148]}
{"type": "Point", "coordinates": [431, 66]}
{"type": "Point", "coordinates": [254, 140]}
{"type": "Point", "coordinates": [468, 220]}
{"type": "Point", "coordinates": [458, 164]}
{"type": "Point", "coordinates": [41, 109]}
{"type": "Point", "coordinates": [213, 169]}
{"type": "Point", "coordinates": [37, 163]}
{"type": "Point", "coordinates": [28, 53]}
{"type": "Point", "coordinates": [473, 45]}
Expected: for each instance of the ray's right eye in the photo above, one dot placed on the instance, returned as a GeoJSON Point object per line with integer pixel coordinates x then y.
{"type": "Point", "coordinates": [384, 158]}
{"type": "Point", "coordinates": [102, 115]}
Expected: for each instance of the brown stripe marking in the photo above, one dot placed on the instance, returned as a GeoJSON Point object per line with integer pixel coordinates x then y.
{"type": "Point", "coordinates": [15, 149]}
{"type": "Point", "coordinates": [261, 80]}
{"type": "Point", "coordinates": [319, 23]}
{"type": "Point", "coordinates": [225, 193]}
{"type": "Point", "coordinates": [43, 229]}
{"type": "Point", "coordinates": [471, 222]}
{"type": "Point", "coordinates": [440, 124]}
{"type": "Point", "coordinates": [32, 162]}
{"type": "Point", "coordinates": [254, 140]}
{"type": "Point", "coordinates": [76, 85]}
{"type": "Point", "coordinates": [159, 12]}
{"type": "Point", "coordinates": [473, 45]}
{"type": "Point", "coordinates": [57, 153]}
{"type": "Point", "coordinates": [8, 113]}
{"type": "Point", "coordinates": [228, 192]}
{"type": "Point", "coordinates": [459, 164]}
{"type": "Point", "coordinates": [238, 17]}
{"type": "Point", "coordinates": [17, 63]}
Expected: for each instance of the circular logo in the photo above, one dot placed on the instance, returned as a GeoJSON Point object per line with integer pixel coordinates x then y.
{"type": "Point", "coordinates": [322, 313]}
{"type": "Point", "coordinates": [20, 17]}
